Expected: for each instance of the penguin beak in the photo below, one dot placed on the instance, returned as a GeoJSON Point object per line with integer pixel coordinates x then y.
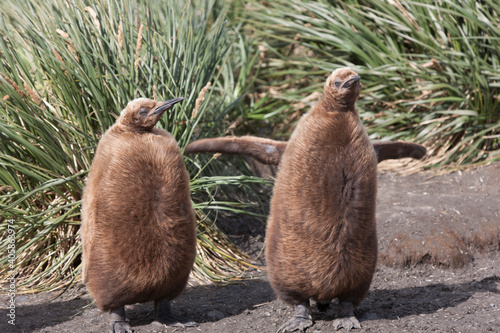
{"type": "Point", "coordinates": [167, 105]}
{"type": "Point", "coordinates": [351, 81]}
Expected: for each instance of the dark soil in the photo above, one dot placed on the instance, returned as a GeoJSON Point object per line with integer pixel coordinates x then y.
{"type": "Point", "coordinates": [438, 271]}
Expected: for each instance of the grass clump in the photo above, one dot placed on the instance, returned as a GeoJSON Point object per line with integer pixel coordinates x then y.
{"type": "Point", "coordinates": [66, 71]}
{"type": "Point", "coordinates": [430, 70]}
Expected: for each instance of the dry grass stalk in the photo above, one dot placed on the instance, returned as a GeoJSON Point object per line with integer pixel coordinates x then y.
{"type": "Point", "coordinates": [139, 41]}
{"type": "Point", "coordinates": [93, 14]}
{"type": "Point", "coordinates": [262, 53]}
{"type": "Point", "coordinates": [72, 50]}
{"type": "Point", "coordinates": [434, 64]}
{"type": "Point", "coordinates": [137, 62]}
{"type": "Point", "coordinates": [62, 33]}
{"type": "Point", "coordinates": [234, 124]}
{"type": "Point", "coordinates": [69, 45]}
{"type": "Point", "coordinates": [199, 100]}
{"type": "Point", "coordinates": [138, 48]}
{"type": "Point", "coordinates": [58, 56]}
{"type": "Point", "coordinates": [405, 13]}
{"type": "Point", "coordinates": [404, 166]}
{"type": "Point", "coordinates": [32, 94]}
{"type": "Point", "coordinates": [14, 85]}
{"type": "Point", "coordinates": [120, 35]}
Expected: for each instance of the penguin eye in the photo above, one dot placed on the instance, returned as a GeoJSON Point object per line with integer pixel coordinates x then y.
{"type": "Point", "coordinates": [141, 114]}
{"type": "Point", "coordinates": [348, 84]}
{"type": "Point", "coordinates": [337, 83]}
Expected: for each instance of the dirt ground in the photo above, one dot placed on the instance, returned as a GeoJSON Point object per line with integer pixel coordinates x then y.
{"type": "Point", "coordinates": [438, 271]}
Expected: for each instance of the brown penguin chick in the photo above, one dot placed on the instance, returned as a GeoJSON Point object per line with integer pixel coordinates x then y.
{"type": "Point", "coordinates": [138, 225]}
{"type": "Point", "coordinates": [321, 232]}
{"type": "Point", "coordinates": [269, 151]}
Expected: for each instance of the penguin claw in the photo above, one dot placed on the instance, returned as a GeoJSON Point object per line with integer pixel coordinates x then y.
{"type": "Point", "coordinates": [119, 322]}
{"type": "Point", "coordinates": [346, 322]}
{"type": "Point", "coordinates": [297, 323]}
{"type": "Point", "coordinates": [121, 327]}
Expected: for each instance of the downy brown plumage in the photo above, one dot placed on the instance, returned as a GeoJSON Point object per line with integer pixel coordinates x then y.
{"type": "Point", "coordinates": [321, 232]}
{"type": "Point", "coordinates": [138, 225]}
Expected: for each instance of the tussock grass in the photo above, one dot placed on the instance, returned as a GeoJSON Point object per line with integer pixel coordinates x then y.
{"type": "Point", "coordinates": [430, 70]}
{"type": "Point", "coordinates": [67, 70]}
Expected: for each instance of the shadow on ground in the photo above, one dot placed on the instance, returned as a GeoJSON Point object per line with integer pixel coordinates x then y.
{"type": "Point", "coordinates": [209, 304]}
{"type": "Point", "coordinates": [397, 303]}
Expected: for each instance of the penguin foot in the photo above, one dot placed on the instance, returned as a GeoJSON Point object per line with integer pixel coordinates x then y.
{"type": "Point", "coordinates": [346, 317]}
{"type": "Point", "coordinates": [295, 324]}
{"type": "Point", "coordinates": [119, 322]}
{"type": "Point", "coordinates": [300, 321]}
{"type": "Point", "coordinates": [121, 327]}
{"type": "Point", "coordinates": [164, 316]}
{"type": "Point", "coordinates": [346, 322]}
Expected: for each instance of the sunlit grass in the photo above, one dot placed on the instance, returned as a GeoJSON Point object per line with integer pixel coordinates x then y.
{"type": "Point", "coordinates": [430, 70]}
{"type": "Point", "coordinates": [67, 70]}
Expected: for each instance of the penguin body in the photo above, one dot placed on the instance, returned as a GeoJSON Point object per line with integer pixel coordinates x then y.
{"type": "Point", "coordinates": [138, 225]}
{"type": "Point", "coordinates": [321, 232]}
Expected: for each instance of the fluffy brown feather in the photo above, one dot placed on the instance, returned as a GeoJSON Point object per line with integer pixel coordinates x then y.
{"type": "Point", "coordinates": [321, 232]}
{"type": "Point", "coordinates": [138, 225]}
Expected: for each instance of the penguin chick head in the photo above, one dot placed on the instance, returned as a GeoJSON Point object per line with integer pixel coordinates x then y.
{"type": "Point", "coordinates": [343, 87]}
{"type": "Point", "coordinates": [142, 114]}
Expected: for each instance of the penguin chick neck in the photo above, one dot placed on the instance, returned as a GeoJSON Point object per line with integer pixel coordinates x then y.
{"type": "Point", "coordinates": [142, 114]}
{"type": "Point", "coordinates": [341, 90]}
